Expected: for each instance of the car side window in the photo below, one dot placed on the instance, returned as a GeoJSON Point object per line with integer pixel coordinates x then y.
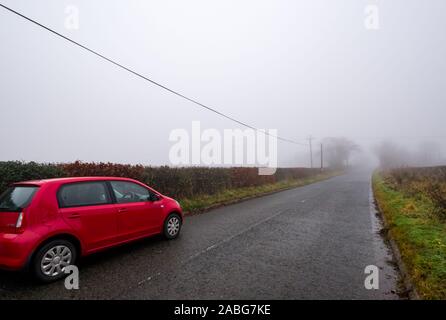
{"type": "Point", "coordinates": [128, 192]}
{"type": "Point", "coordinates": [83, 194]}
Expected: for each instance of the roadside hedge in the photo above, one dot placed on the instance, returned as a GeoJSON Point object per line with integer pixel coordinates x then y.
{"type": "Point", "coordinates": [14, 171]}
{"type": "Point", "coordinates": [177, 182]}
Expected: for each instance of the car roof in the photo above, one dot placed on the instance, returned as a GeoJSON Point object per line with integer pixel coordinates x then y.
{"type": "Point", "coordinates": [71, 179]}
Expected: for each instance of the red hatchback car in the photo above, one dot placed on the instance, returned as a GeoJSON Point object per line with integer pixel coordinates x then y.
{"type": "Point", "coordinates": [46, 225]}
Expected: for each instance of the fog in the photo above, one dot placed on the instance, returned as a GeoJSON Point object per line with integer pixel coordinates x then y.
{"type": "Point", "coordinates": [301, 67]}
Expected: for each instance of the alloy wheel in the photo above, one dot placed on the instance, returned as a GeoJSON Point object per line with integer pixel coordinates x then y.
{"type": "Point", "coordinates": [55, 260]}
{"type": "Point", "coordinates": [173, 226]}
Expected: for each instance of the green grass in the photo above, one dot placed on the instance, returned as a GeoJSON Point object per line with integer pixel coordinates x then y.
{"type": "Point", "coordinates": [204, 202]}
{"type": "Point", "coordinates": [419, 235]}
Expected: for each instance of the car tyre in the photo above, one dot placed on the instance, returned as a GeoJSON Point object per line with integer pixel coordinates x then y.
{"type": "Point", "coordinates": [172, 226]}
{"type": "Point", "coordinates": [51, 259]}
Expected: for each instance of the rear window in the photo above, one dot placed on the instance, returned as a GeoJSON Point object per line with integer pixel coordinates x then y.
{"type": "Point", "coordinates": [17, 198]}
{"type": "Point", "coordinates": [83, 194]}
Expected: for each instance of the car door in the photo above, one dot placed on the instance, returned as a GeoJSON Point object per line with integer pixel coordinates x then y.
{"type": "Point", "coordinates": [138, 215]}
{"type": "Point", "coordinates": [87, 207]}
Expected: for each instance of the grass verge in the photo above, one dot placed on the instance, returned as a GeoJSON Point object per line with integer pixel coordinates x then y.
{"type": "Point", "coordinates": [419, 235]}
{"type": "Point", "coordinates": [205, 202]}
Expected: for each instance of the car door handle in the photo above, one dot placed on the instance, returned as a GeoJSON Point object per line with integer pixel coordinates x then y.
{"type": "Point", "coordinates": [74, 216]}
{"type": "Point", "coordinates": [122, 210]}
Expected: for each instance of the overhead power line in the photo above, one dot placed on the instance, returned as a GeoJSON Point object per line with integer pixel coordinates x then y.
{"type": "Point", "coordinates": [148, 79]}
{"type": "Point", "coordinates": [399, 137]}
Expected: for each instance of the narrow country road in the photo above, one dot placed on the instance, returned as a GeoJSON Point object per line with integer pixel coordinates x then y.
{"type": "Point", "coordinates": [312, 242]}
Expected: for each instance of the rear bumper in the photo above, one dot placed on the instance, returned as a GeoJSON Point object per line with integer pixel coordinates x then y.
{"type": "Point", "coordinates": [14, 251]}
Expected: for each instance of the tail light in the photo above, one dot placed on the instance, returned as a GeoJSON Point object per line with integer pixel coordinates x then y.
{"type": "Point", "coordinates": [19, 221]}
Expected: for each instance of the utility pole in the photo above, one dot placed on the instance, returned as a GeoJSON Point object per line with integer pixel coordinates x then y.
{"type": "Point", "coordinates": [322, 158]}
{"type": "Point", "coordinates": [310, 138]}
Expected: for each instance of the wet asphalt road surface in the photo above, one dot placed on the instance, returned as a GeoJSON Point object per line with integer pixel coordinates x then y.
{"type": "Point", "coordinates": [312, 242]}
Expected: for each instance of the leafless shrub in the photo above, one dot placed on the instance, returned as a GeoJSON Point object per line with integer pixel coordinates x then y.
{"type": "Point", "coordinates": [437, 193]}
{"type": "Point", "coordinates": [428, 182]}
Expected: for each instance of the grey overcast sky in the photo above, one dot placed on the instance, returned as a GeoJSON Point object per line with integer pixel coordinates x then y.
{"type": "Point", "coordinates": [303, 67]}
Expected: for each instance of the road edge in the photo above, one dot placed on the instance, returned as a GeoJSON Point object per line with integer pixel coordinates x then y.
{"type": "Point", "coordinates": [408, 284]}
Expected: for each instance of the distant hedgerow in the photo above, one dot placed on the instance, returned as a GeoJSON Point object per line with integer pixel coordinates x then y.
{"type": "Point", "coordinates": [177, 182]}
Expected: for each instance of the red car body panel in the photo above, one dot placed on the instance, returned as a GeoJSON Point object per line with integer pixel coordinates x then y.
{"type": "Point", "coordinates": [94, 227]}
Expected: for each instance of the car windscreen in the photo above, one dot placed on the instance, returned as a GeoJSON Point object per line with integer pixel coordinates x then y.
{"type": "Point", "coordinates": [16, 198]}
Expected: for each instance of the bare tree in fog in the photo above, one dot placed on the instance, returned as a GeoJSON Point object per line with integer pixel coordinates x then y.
{"type": "Point", "coordinates": [428, 154]}
{"type": "Point", "coordinates": [392, 155]}
{"type": "Point", "coordinates": [338, 150]}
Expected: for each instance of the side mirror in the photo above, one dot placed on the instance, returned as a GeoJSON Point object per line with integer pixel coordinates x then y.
{"type": "Point", "coordinates": [154, 197]}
